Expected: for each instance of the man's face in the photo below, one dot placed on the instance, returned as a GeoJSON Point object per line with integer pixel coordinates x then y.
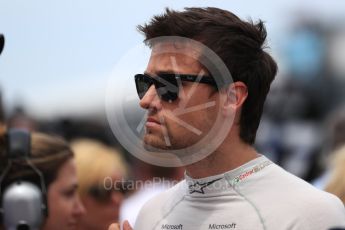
{"type": "Point", "coordinates": [184, 121]}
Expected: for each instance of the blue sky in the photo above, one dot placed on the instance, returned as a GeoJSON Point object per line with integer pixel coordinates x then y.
{"type": "Point", "coordinates": [59, 54]}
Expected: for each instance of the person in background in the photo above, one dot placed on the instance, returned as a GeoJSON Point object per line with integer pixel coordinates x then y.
{"type": "Point", "coordinates": [153, 180]}
{"type": "Point", "coordinates": [336, 183]}
{"type": "Point", "coordinates": [334, 138]}
{"type": "Point", "coordinates": [2, 113]}
{"type": "Point", "coordinates": [101, 172]}
{"type": "Point", "coordinates": [53, 157]}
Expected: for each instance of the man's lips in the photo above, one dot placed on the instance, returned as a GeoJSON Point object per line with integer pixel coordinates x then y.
{"type": "Point", "coordinates": [151, 119]}
{"type": "Point", "coordinates": [152, 122]}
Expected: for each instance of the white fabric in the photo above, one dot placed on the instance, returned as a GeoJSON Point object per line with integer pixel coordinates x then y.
{"type": "Point", "coordinates": [257, 195]}
{"type": "Point", "coordinates": [131, 206]}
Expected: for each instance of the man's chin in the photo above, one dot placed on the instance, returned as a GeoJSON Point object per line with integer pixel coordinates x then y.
{"type": "Point", "coordinates": [154, 144]}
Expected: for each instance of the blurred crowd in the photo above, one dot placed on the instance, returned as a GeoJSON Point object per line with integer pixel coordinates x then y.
{"type": "Point", "coordinates": [303, 120]}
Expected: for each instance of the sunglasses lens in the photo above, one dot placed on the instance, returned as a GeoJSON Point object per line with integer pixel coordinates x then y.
{"type": "Point", "coordinates": [166, 95]}
{"type": "Point", "coordinates": [103, 195]}
{"type": "Point", "coordinates": [143, 84]}
{"type": "Point", "coordinates": [100, 194]}
{"type": "Point", "coordinates": [166, 86]}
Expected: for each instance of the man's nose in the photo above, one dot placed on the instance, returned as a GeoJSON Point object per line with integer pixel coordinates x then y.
{"type": "Point", "coordinates": [151, 99]}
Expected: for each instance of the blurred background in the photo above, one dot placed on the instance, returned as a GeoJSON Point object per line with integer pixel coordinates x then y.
{"type": "Point", "coordinates": [58, 57]}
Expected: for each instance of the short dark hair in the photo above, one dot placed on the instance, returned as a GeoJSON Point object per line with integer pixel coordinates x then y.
{"type": "Point", "coordinates": [238, 43]}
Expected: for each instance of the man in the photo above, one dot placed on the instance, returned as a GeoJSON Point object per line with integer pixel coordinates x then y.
{"type": "Point", "coordinates": [234, 187]}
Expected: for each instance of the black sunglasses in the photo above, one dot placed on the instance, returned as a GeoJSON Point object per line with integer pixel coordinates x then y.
{"type": "Point", "coordinates": [167, 84]}
{"type": "Point", "coordinates": [102, 194]}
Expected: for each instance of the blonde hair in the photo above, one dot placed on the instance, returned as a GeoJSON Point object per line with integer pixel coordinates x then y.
{"type": "Point", "coordinates": [336, 184]}
{"type": "Point", "coordinates": [95, 162]}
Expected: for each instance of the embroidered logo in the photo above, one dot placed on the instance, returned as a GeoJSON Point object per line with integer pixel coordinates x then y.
{"type": "Point", "coordinates": [246, 174]}
{"type": "Point", "coordinates": [199, 187]}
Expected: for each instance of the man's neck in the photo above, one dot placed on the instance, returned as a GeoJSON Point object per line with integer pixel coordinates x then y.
{"type": "Point", "coordinates": [230, 155]}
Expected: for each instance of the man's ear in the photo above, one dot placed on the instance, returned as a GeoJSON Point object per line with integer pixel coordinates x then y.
{"type": "Point", "coordinates": [235, 95]}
